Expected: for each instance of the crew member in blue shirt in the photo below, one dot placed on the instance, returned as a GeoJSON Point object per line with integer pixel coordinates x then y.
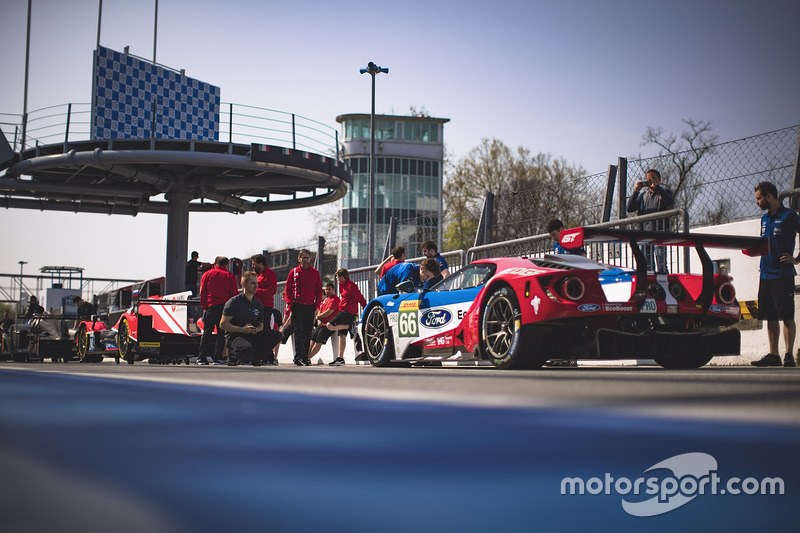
{"type": "Point", "coordinates": [430, 250]}
{"type": "Point", "coordinates": [776, 284]}
{"type": "Point", "coordinates": [424, 276]}
{"type": "Point", "coordinates": [554, 228]}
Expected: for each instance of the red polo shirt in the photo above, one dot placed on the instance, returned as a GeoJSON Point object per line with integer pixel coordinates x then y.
{"type": "Point", "coordinates": [267, 287]}
{"type": "Point", "coordinates": [217, 286]}
{"type": "Point", "coordinates": [350, 297]}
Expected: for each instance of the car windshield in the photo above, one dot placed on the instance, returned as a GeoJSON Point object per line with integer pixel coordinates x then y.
{"type": "Point", "coordinates": [469, 277]}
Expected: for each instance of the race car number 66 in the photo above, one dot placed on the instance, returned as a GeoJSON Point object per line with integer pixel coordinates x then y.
{"type": "Point", "coordinates": [407, 323]}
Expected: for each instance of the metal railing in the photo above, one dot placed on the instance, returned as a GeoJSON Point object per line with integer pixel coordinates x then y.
{"type": "Point", "coordinates": [609, 253]}
{"type": "Point", "coordinates": [238, 123]}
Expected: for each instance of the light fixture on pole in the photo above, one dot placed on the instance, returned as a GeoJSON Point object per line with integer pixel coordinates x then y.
{"type": "Point", "coordinates": [372, 69]}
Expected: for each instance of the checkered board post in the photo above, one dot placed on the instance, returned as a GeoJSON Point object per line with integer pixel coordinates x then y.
{"type": "Point", "coordinates": [136, 99]}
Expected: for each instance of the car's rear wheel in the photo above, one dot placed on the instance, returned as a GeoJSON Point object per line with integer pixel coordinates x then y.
{"type": "Point", "coordinates": [501, 332]}
{"type": "Point", "coordinates": [378, 343]}
{"type": "Point", "coordinates": [124, 342]}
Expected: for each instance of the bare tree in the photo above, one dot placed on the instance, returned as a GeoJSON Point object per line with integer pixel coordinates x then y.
{"type": "Point", "coordinates": [529, 190]}
{"type": "Point", "coordinates": [420, 111]}
{"type": "Point", "coordinates": [684, 152]}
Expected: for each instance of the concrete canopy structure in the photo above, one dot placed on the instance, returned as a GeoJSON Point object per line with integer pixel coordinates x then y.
{"type": "Point", "coordinates": [129, 176]}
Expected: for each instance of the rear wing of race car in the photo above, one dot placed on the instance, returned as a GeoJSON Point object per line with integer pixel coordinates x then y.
{"type": "Point", "coordinates": [752, 246]}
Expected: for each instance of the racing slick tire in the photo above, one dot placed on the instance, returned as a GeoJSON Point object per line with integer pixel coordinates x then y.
{"type": "Point", "coordinates": [378, 343]}
{"type": "Point", "coordinates": [502, 337]}
{"type": "Point", "coordinates": [124, 342]}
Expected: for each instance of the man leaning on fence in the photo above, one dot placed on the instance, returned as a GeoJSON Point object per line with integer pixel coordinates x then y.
{"type": "Point", "coordinates": [776, 283]}
{"type": "Point", "coordinates": [653, 199]}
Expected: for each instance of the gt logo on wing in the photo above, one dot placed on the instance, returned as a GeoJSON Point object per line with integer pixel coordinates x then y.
{"type": "Point", "coordinates": [436, 318]}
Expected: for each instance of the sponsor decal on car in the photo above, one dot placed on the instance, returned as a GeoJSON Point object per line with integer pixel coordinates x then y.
{"type": "Point", "coordinates": [519, 271]}
{"type": "Point", "coordinates": [409, 306]}
{"type": "Point", "coordinates": [733, 310]}
{"type": "Point", "coordinates": [673, 309]}
{"type": "Point", "coordinates": [588, 308]}
{"type": "Point", "coordinates": [715, 308]}
{"type": "Point", "coordinates": [535, 303]}
{"type": "Point", "coordinates": [439, 341]}
{"type": "Point", "coordinates": [619, 308]}
{"type": "Point", "coordinates": [649, 306]}
{"type": "Point", "coordinates": [435, 318]}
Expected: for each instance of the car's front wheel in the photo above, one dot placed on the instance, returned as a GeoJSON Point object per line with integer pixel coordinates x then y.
{"type": "Point", "coordinates": [378, 344]}
{"type": "Point", "coordinates": [83, 347]}
{"type": "Point", "coordinates": [124, 342]}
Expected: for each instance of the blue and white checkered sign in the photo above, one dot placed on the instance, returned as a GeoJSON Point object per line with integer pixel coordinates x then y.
{"type": "Point", "coordinates": [131, 96]}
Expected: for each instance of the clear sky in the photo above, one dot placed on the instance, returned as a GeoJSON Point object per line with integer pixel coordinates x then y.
{"type": "Point", "coordinates": [580, 80]}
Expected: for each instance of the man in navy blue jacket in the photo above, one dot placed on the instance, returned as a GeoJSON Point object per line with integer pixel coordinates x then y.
{"type": "Point", "coordinates": [776, 284]}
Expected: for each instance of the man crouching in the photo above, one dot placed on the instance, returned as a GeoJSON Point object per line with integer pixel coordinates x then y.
{"type": "Point", "coordinates": [243, 323]}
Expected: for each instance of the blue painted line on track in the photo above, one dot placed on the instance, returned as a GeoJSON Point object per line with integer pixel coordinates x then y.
{"type": "Point", "coordinates": [217, 459]}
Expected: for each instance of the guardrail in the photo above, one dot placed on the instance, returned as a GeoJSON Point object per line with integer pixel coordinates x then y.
{"type": "Point", "coordinates": [238, 124]}
{"type": "Point", "coordinates": [610, 253]}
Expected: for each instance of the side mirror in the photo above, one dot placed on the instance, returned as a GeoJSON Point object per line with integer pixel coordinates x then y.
{"type": "Point", "coordinates": [406, 286]}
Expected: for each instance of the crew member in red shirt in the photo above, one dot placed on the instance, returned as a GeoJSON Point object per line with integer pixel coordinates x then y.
{"type": "Point", "coordinates": [217, 286]}
{"type": "Point", "coordinates": [265, 293]}
{"type": "Point", "coordinates": [398, 256]}
{"type": "Point", "coordinates": [327, 309]}
{"type": "Point", "coordinates": [350, 298]}
{"type": "Point", "coordinates": [303, 296]}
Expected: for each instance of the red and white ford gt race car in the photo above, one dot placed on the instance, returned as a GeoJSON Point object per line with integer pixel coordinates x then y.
{"type": "Point", "coordinates": [520, 312]}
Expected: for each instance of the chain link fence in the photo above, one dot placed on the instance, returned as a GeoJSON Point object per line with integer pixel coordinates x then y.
{"type": "Point", "coordinates": [716, 190]}
{"type": "Point", "coordinates": [524, 213]}
{"type": "Point", "coordinates": [719, 188]}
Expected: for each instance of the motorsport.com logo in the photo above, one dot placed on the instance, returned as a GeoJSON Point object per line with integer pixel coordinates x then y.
{"type": "Point", "coordinates": [693, 474]}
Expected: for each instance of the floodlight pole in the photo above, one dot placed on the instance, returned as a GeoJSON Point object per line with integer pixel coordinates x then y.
{"type": "Point", "coordinates": [21, 264]}
{"type": "Point", "coordinates": [372, 69]}
{"type": "Point", "coordinates": [155, 32]}
{"type": "Point", "coordinates": [25, 89]}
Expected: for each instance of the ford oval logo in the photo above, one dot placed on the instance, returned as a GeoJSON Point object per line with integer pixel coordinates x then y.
{"type": "Point", "coordinates": [588, 308]}
{"type": "Point", "coordinates": [435, 318]}
{"type": "Point", "coordinates": [715, 308]}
